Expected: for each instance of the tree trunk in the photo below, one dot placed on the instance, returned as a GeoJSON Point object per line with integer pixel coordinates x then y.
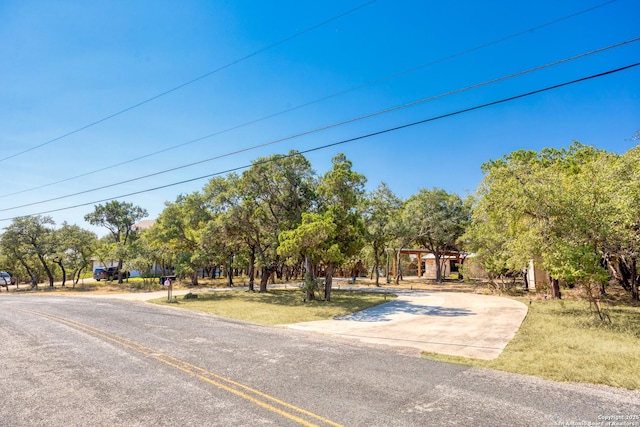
{"type": "Point", "coordinates": [64, 272]}
{"type": "Point", "coordinates": [120, 263]}
{"type": "Point", "coordinates": [376, 258]}
{"type": "Point", "coordinates": [29, 271]}
{"type": "Point", "coordinates": [634, 280]}
{"type": "Point", "coordinates": [194, 281]}
{"type": "Point", "coordinates": [398, 268]}
{"type": "Point", "coordinates": [328, 282]}
{"type": "Point", "coordinates": [620, 269]}
{"type": "Point", "coordinates": [229, 271]}
{"type": "Point", "coordinates": [265, 273]}
{"type": "Point", "coordinates": [308, 269]}
{"type": "Point", "coordinates": [436, 257]}
{"type": "Point", "coordinates": [555, 288]}
{"type": "Point", "coordinates": [76, 276]}
{"type": "Point", "coordinates": [252, 268]}
{"type": "Point", "coordinates": [309, 279]}
{"type": "Point", "coordinates": [386, 272]}
{"type": "Point", "coordinates": [309, 286]}
{"type": "Point", "coordinates": [46, 269]}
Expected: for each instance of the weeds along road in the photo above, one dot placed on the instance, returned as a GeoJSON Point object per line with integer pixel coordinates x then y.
{"type": "Point", "coordinates": [75, 362]}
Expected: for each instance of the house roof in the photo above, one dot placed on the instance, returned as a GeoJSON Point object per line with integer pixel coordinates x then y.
{"type": "Point", "coordinates": [144, 224]}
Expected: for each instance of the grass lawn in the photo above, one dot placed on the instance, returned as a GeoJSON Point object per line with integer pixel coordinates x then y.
{"type": "Point", "coordinates": [563, 341]}
{"type": "Point", "coordinates": [278, 306]}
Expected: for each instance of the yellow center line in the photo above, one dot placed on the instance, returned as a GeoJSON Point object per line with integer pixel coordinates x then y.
{"type": "Point", "coordinates": [200, 373]}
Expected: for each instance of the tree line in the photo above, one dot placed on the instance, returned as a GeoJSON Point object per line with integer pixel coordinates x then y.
{"type": "Point", "coordinates": [573, 211]}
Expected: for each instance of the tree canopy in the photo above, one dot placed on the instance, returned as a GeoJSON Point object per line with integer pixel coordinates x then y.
{"type": "Point", "coordinates": [574, 211]}
{"type": "Point", "coordinates": [119, 218]}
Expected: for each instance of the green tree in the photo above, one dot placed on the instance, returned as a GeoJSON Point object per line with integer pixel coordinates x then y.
{"type": "Point", "coordinates": [380, 208]}
{"type": "Point", "coordinates": [273, 194]}
{"type": "Point", "coordinates": [401, 228]}
{"type": "Point", "coordinates": [341, 191]}
{"type": "Point", "coordinates": [312, 240]}
{"type": "Point", "coordinates": [437, 220]}
{"type": "Point", "coordinates": [31, 239]}
{"type": "Point", "coordinates": [220, 247]}
{"type": "Point", "coordinates": [106, 251]}
{"type": "Point", "coordinates": [560, 208]}
{"type": "Point", "coordinates": [159, 250]}
{"type": "Point", "coordinates": [74, 247]}
{"type": "Point", "coordinates": [10, 264]}
{"type": "Point", "coordinates": [119, 218]}
{"type": "Point", "coordinates": [486, 239]}
{"type": "Point", "coordinates": [516, 210]}
{"type": "Point", "coordinates": [181, 225]}
{"type": "Point", "coordinates": [623, 226]}
{"type": "Point", "coordinates": [17, 258]}
{"type": "Point", "coordinates": [234, 227]}
{"type": "Point", "coordinates": [144, 255]}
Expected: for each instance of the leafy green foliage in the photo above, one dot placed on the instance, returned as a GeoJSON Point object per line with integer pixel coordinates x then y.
{"type": "Point", "coordinates": [341, 190]}
{"type": "Point", "coordinates": [380, 208]}
{"type": "Point", "coordinates": [436, 220]}
{"type": "Point", "coordinates": [30, 241]}
{"type": "Point", "coordinates": [119, 218]}
{"type": "Point", "coordinates": [74, 248]}
{"type": "Point", "coordinates": [575, 211]}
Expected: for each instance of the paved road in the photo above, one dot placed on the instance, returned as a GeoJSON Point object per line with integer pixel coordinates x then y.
{"type": "Point", "coordinates": [69, 361]}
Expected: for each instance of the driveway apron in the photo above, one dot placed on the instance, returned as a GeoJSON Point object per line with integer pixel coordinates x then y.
{"type": "Point", "coordinates": [458, 324]}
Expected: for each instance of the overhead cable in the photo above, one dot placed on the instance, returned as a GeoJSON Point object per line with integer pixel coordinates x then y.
{"type": "Point", "coordinates": [334, 125]}
{"type": "Point", "coordinates": [306, 104]}
{"type": "Point", "coordinates": [345, 141]}
{"type": "Point", "coordinates": [203, 76]}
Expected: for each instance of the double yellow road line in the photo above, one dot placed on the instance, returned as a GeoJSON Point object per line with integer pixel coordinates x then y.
{"type": "Point", "coordinates": [273, 404]}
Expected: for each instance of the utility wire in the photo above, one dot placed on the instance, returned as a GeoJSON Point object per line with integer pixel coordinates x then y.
{"type": "Point", "coordinates": [210, 73]}
{"type": "Point", "coordinates": [334, 125]}
{"type": "Point", "coordinates": [371, 83]}
{"type": "Point", "coordinates": [345, 141]}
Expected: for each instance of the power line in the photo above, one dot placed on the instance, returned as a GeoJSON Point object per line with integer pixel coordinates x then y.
{"type": "Point", "coordinates": [203, 76]}
{"type": "Point", "coordinates": [345, 141]}
{"type": "Point", "coordinates": [334, 125]}
{"type": "Point", "coordinates": [371, 83]}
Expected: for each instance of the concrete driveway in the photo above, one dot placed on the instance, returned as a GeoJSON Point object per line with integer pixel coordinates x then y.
{"type": "Point", "coordinates": [458, 324]}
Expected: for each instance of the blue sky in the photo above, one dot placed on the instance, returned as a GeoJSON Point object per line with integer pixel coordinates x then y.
{"type": "Point", "coordinates": [67, 64]}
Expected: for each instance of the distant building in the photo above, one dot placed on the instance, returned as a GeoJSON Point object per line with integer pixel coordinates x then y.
{"type": "Point", "coordinates": [450, 262]}
{"type": "Point", "coordinates": [536, 277]}
{"type": "Point", "coordinates": [143, 225]}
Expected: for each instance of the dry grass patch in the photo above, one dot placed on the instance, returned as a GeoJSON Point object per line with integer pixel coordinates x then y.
{"type": "Point", "coordinates": [133, 284]}
{"type": "Point", "coordinates": [279, 306]}
{"type": "Point", "coordinates": [564, 341]}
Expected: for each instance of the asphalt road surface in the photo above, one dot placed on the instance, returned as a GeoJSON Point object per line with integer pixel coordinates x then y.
{"type": "Point", "coordinates": [99, 362]}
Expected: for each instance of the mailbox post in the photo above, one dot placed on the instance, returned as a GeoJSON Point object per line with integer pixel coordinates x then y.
{"type": "Point", "coordinates": [167, 283]}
